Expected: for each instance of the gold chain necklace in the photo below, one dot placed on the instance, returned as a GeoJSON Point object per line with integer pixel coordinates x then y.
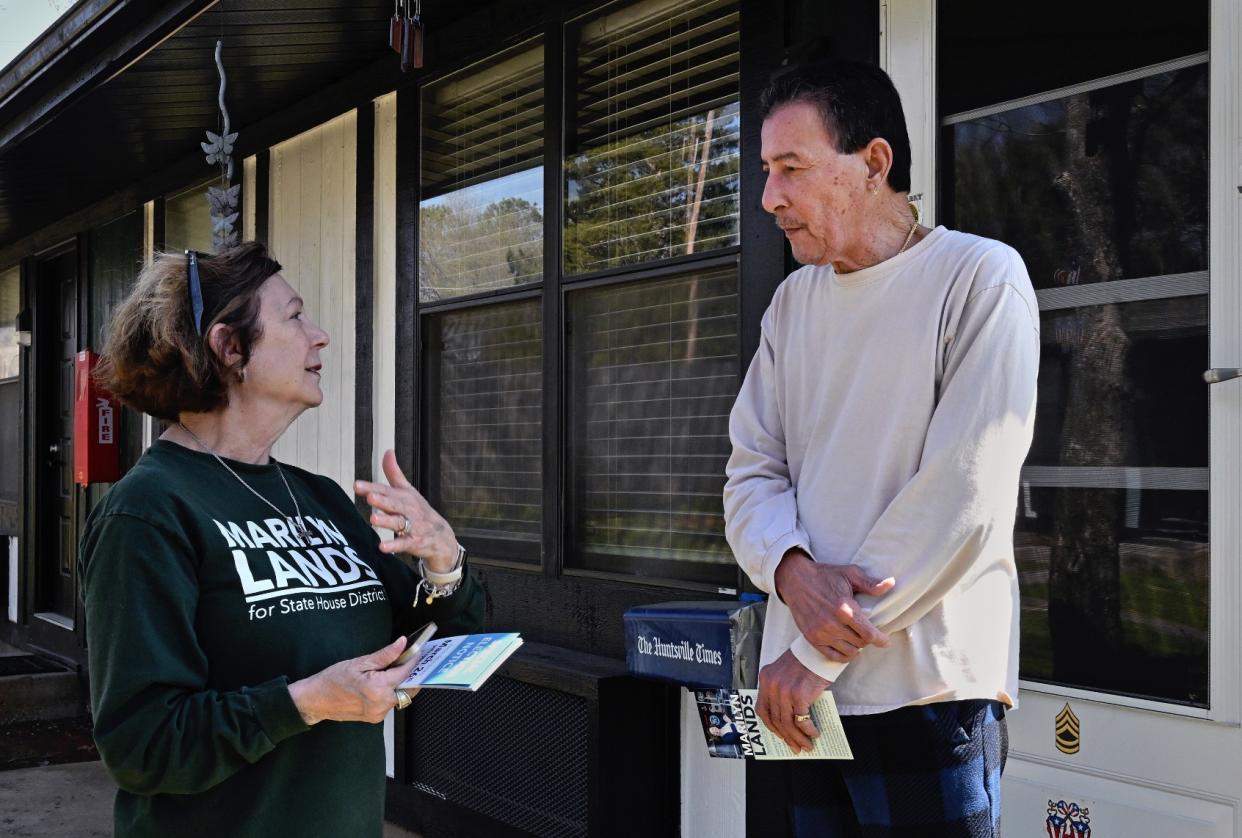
{"type": "Point", "coordinates": [909, 237]}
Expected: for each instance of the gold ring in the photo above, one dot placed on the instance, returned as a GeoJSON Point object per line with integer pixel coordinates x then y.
{"type": "Point", "coordinates": [403, 699]}
{"type": "Point", "coordinates": [405, 527]}
{"type": "Point", "coordinates": [802, 717]}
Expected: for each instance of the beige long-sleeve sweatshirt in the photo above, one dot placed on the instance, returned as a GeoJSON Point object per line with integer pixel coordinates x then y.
{"type": "Point", "coordinates": [883, 422]}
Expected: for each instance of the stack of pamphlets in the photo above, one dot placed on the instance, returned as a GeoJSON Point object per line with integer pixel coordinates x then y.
{"type": "Point", "coordinates": [463, 662]}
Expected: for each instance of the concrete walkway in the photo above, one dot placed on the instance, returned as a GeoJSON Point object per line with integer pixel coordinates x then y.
{"type": "Point", "coordinates": [65, 800]}
{"type": "Point", "coordinates": [73, 800]}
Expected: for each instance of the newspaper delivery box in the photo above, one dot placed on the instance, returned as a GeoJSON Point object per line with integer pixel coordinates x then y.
{"type": "Point", "coordinates": [696, 644]}
{"type": "Point", "coordinates": [96, 441]}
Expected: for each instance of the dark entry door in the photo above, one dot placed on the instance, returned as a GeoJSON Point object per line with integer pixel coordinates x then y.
{"type": "Point", "coordinates": [58, 289]}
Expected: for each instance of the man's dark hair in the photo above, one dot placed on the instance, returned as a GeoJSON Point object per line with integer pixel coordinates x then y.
{"type": "Point", "coordinates": [857, 103]}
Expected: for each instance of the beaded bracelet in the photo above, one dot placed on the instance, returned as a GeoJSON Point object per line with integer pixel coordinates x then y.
{"type": "Point", "coordinates": [440, 585]}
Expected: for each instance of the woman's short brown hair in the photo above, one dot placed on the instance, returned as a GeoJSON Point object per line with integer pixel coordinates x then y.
{"type": "Point", "coordinates": [155, 361]}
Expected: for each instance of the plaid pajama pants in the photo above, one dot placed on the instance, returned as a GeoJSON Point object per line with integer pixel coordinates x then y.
{"type": "Point", "coordinates": [932, 771]}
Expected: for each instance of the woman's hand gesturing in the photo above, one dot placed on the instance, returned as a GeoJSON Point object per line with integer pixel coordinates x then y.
{"type": "Point", "coordinates": [417, 528]}
{"type": "Point", "coordinates": [356, 690]}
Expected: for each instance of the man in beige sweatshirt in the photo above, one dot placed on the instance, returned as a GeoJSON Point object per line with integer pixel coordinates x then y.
{"type": "Point", "coordinates": [877, 443]}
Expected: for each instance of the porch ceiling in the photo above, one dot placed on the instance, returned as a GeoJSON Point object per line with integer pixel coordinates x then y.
{"type": "Point", "coordinates": [152, 115]}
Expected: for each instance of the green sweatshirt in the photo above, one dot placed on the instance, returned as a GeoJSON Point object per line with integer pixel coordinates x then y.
{"type": "Point", "coordinates": [202, 606]}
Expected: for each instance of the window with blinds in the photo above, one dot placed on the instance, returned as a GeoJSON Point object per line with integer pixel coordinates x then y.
{"type": "Point", "coordinates": [481, 215]}
{"type": "Point", "coordinates": [652, 374]}
{"type": "Point", "coordinates": [652, 165]}
{"type": "Point", "coordinates": [485, 374]}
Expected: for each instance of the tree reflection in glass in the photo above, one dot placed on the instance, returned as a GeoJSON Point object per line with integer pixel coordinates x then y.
{"type": "Point", "coordinates": [1108, 188]}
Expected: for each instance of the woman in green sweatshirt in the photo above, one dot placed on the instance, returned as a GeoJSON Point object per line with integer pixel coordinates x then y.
{"type": "Point", "coordinates": [240, 613]}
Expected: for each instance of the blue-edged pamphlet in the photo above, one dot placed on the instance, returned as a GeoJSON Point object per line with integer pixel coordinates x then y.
{"type": "Point", "coordinates": [733, 728]}
{"type": "Point", "coordinates": [463, 662]}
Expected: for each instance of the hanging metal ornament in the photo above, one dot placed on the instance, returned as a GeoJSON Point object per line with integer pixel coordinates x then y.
{"type": "Point", "coordinates": [223, 199]}
{"type": "Point", "coordinates": [405, 33]}
{"type": "Point", "coordinates": [394, 26]}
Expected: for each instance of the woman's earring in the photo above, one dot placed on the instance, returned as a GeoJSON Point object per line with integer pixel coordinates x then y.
{"type": "Point", "coordinates": [242, 375]}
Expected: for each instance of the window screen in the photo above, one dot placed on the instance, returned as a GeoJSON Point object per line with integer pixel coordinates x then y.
{"type": "Point", "coordinates": [653, 372]}
{"type": "Point", "coordinates": [486, 380]}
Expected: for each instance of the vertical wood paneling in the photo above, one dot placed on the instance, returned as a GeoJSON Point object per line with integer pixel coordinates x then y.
{"type": "Point", "coordinates": [326, 443]}
{"type": "Point", "coordinates": [384, 374]}
{"type": "Point", "coordinates": [307, 229]}
{"type": "Point", "coordinates": [249, 170]}
{"type": "Point", "coordinates": [312, 221]}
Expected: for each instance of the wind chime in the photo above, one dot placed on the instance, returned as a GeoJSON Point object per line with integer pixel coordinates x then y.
{"type": "Point", "coordinates": [405, 33]}
{"type": "Point", "coordinates": [223, 199]}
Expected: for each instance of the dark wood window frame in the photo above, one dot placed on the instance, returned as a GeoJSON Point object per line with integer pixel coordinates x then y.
{"type": "Point", "coordinates": [761, 263]}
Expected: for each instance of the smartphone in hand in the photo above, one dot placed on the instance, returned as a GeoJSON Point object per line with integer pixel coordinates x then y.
{"type": "Point", "coordinates": [414, 644]}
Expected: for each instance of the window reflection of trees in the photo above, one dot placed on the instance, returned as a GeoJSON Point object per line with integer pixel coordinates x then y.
{"type": "Point", "coordinates": [481, 217]}
{"type": "Point", "coordinates": [1149, 138]}
{"type": "Point", "coordinates": [666, 192]}
{"type": "Point", "coordinates": [1099, 187]}
{"type": "Point", "coordinates": [465, 247]}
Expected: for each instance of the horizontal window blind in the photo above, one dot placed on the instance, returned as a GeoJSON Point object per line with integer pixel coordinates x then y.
{"type": "Point", "coordinates": [483, 123]}
{"type": "Point", "coordinates": [653, 375]}
{"type": "Point", "coordinates": [653, 167]}
{"type": "Point", "coordinates": [488, 379]}
{"type": "Point", "coordinates": [481, 215]}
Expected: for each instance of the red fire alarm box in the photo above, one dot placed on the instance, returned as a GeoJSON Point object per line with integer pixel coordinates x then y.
{"type": "Point", "coordinates": [96, 435]}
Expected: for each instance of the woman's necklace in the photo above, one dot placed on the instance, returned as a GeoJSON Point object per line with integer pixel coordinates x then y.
{"type": "Point", "coordinates": [299, 524]}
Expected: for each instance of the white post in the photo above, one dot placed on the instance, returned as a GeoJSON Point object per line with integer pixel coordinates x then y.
{"type": "Point", "coordinates": [908, 55]}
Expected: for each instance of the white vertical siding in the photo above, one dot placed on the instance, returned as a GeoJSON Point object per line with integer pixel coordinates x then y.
{"type": "Point", "coordinates": [312, 217]}
{"type": "Point", "coordinates": [384, 388]}
{"type": "Point", "coordinates": [908, 54]}
{"type": "Point", "coordinates": [250, 169]}
{"type": "Point", "coordinates": [384, 346]}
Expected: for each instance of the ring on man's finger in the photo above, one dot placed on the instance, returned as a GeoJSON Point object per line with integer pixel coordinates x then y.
{"type": "Point", "coordinates": [405, 527]}
{"type": "Point", "coordinates": [802, 717]}
{"type": "Point", "coordinates": [403, 699]}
